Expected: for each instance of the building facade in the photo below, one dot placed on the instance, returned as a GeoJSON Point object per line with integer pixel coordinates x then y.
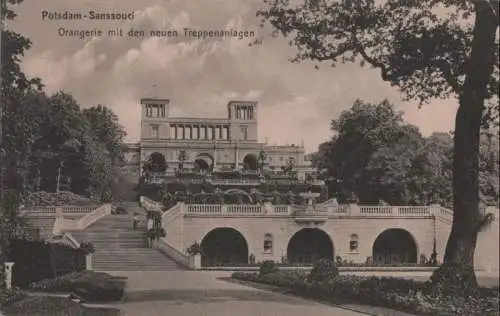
{"type": "Point", "coordinates": [212, 143]}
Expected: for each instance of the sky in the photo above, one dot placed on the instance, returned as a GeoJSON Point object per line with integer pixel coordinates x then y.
{"type": "Point", "coordinates": [296, 102]}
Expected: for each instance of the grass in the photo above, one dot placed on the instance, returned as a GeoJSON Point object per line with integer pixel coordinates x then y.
{"type": "Point", "coordinates": [54, 306]}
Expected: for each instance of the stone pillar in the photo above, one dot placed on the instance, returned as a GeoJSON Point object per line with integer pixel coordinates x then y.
{"type": "Point", "coordinates": [434, 209]}
{"type": "Point", "coordinates": [8, 274]}
{"type": "Point", "coordinates": [88, 262]}
{"type": "Point", "coordinates": [268, 207]}
{"type": "Point", "coordinates": [354, 209]}
{"type": "Point", "coordinates": [175, 132]}
{"type": "Point", "coordinates": [237, 157]}
{"type": "Point", "coordinates": [215, 153]}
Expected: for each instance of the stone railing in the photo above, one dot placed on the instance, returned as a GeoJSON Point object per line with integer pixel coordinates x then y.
{"type": "Point", "coordinates": [235, 182]}
{"type": "Point", "coordinates": [34, 211]}
{"type": "Point", "coordinates": [150, 205]}
{"type": "Point", "coordinates": [71, 240]}
{"type": "Point", "coordinates": [175, 254]}
{"type": "Point", "coordinates": [171, 213]}
{"type": "Point", "coordinates": [91, 218]}
{"type": "Point", "coordinates": [62, 224]}
{"type": "Point", "coordinates": [342, 210]}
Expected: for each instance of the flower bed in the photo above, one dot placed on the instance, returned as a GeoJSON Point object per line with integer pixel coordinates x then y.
{"type": "Point", "coordinates": [93, 287]}
{"type": "Point", "coordinates": [42, 198]}
{"type": "Point", "coordinates": [54, 306]}
{"type": "Point", "coordinates": [399, 294]}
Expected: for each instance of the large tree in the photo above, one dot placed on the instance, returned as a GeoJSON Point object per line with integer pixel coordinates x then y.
{"type": "Point", "coordinates": [428, 49]}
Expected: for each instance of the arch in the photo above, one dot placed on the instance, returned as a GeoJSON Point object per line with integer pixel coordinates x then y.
{"type": "Point", "coordinates": [224, 246]}
{"type": "Point", "coordinates": [394, 245]}
{"type": "Point", "coordinates": [156, 163]}
{"type": "Point", "coordinates": [251, 162]}
{"type": "Point", "coordinates": [309, 245]}
{"type": "Point", "coordinates": [244, 193]}
{"type": "Point", "coordinates": [204, 161]}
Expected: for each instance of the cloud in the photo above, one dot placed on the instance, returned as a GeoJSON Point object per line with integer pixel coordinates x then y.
{"type": "Point", "coordinates": [200, 76]}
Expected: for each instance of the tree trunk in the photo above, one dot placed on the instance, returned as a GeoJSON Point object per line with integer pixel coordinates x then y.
{"type": "Point", "coordinates": [462, 240]}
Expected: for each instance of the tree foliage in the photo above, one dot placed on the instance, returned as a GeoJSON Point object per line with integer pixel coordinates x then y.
{"type": "Point", "coordinates": [428, 49]}
{"type": "Point", "coordinates": [48, 142]}
{"type": "Point", "coordinates": [378, 157]}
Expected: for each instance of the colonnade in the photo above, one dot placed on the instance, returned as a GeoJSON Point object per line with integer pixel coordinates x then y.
{"type": "Point", "coordinates": [194, 131]}
{"type": "Point", "coordinates": [244, 112]}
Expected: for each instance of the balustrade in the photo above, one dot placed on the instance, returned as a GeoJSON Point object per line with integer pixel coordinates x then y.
{"type": "Point", "coordinates": [321, 210]}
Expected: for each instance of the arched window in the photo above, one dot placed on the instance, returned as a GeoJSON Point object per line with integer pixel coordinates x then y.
{"type": "Point", "coordinates": [353, 243]}
{"type": "Point", "coordinates": [268, 243]}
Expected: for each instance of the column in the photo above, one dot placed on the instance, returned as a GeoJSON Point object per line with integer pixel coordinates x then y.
{"type": "Point", "coordinates": [183, 131]}
{"type": "Point", "coordinates": [197, 129]}
{"type": "Point", "coordinates": [213, 132]}
{"type": "Point", "coordinates": [237, 158]}
{"type": "Point", "coordinates": [214, 152]}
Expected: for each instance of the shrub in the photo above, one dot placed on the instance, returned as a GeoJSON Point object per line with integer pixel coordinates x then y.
{"type": "Point", "coordinates": [91, 286]}
{"type": "Point", "coordinates": [42, 198]}
{"type": "Point", "coordinates": [455, 280]}
{"type": "Point", "coordinates": [8, 297]}
{"type": "Point", "coordinates": [323, 269]}
{"type": "Point", "coordinates": [401, 294]}
{"type": "Point", "coordinates": [194, 249]}
{"type": "Point", "coordinates": [267, 267]}
{"type": "Point", "coordinates": [38, 260]}
{"type": "Point", "coordinates": [160, 232]}
{"type": "Point", "coordinates": [121, 210]}
{"type": "Point", "coordinates": [87, 248]}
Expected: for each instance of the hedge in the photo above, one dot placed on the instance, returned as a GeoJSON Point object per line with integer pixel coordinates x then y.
{"type": "Point", "coordinates": [38, 260]}
{"type": "Point", "coordinates": [400, 294]}
{"type": "Point", "coordinates": [93, 287]}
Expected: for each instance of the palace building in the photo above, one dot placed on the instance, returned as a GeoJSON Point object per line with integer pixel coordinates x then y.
{"type": "Point", "coordinates": [214, 144]}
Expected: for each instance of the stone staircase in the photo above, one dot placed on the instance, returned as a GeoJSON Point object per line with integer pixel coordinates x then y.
{"type": "Point", "coordinates": [120, 248]}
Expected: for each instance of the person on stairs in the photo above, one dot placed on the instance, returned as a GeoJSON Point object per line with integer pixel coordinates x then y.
{"type": "Point", "coordinates": [150, 227]}
{"type": "Point", "coordinates": [135, 221]}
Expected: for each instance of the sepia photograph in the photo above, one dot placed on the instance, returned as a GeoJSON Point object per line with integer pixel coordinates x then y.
{"type": "Point", "coordinates": [249, 157]}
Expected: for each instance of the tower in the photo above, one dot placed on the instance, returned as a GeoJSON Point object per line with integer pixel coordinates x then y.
{"type": "Point", "coordinates": [154, 118]}
{"type": "Point", "coordinates": [243, 119]}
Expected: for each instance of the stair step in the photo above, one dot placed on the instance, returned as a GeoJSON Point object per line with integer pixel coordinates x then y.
{"type": "Point", "coordinates": [121, 248]}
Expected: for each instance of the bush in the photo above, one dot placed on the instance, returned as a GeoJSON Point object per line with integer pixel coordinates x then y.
{"type": "Point", "coordinates": [120, 210]}
{"type": "Point", "coordinates": [38, 260]}
{"type": "Point", "coordinates": [267, 267]}
{"type": "Point", "coordinates": [401, 294]}
{"type": "Point", "coordinates": [42, 198]}
{"type": "Point", "coordinates": [55, 306]}
{"type": "Point", "coordinates": [87, 248]}
{"type": "Point", "coordinates": [323, 269]}
{"type": "Point", "coordinates": [194, 249]}
{"type": "Point", "coordinates": [454, 280]}
{"type": "Point", "coordinates": [93, 287]}
{"type": "Point", "coordinates": [8, 297]}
